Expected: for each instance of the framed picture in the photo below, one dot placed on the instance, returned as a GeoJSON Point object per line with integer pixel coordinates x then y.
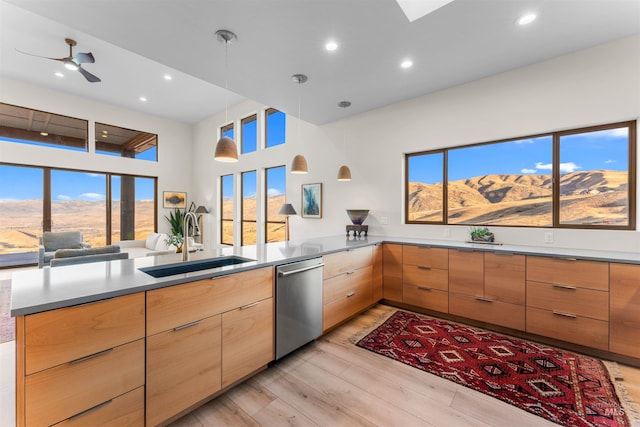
{"type": "Point", "coordinates": [312, 200]}
{"type": "Point", "coordinates": [174, 199]}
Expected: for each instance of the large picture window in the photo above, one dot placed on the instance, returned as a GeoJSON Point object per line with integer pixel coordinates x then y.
{"type": "Point", "coordinates": [249, 209]}
{"type": "Point", "coordinates": [582, 178]}
{"type": "Point", "coordinates": [275, 190]}
{"type": "Point", "coordinates": [121, 142]}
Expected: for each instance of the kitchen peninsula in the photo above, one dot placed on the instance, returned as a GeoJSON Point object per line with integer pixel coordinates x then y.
{"type": "Point", "coordinates": [128, 331]}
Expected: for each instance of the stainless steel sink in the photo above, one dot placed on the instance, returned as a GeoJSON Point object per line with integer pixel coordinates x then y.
{"type": "Point", "coordinates": [191, 266]}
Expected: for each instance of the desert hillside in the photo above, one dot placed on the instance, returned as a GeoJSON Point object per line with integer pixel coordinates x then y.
{"type": "Point", "coordinates": [586, 198]}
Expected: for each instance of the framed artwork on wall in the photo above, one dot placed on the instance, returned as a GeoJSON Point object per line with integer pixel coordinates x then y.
{"type": "Point", "coordinates": [174, 199]}
{"type": "Point", "coordinates": [312, 200]}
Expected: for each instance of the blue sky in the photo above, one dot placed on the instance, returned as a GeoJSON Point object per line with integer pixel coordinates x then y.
{"type": "Point", "coordinates": [580, 152]}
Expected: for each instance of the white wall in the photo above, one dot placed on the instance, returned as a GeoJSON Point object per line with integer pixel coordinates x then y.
{"type": "Point", "coordinates": [595, 86]}
{"type": "Point", "coordinates": [174, 140]}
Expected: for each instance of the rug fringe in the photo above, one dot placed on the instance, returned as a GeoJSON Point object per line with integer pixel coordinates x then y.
{"type": "Point", "coordinates": [631, 408]}
{"type": "Point", "coordinates": [382, 317]}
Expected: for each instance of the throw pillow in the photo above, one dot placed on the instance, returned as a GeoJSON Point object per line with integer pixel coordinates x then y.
{"type": "Point", "coordinates": [162, 244]}
{"type": "Point", "coordinates": [152, 241]}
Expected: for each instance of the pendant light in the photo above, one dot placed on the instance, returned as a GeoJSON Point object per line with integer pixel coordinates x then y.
{"type": "Point", "coordinates": [226, 150]}
{"type": "Point", "coordinates": [299, 164]}
{"type": "Point", "coordinates": [344, 173]}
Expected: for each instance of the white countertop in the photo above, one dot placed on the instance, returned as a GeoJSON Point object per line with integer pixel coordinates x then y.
{"type": "Point", "coordinates": [33, 291]}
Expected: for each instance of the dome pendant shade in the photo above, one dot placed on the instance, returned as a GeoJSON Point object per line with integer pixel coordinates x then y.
{"type": "Point", "coordinates": [226, 150]}
{"type": "Point", "coordinates": [344, 174]}
{"type": "Point", "coordinates": [299, 164]}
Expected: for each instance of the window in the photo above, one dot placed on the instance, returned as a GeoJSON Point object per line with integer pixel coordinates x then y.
{"type": "Point", "coordinates": [581, 178]}
{"type": "Point", "coordinates": [248, 209]}
{"type": "Point", "coordinates": [275, 190]}
{"type": "Point", "coordinates": [33, 127]}
{"type": "Point", "coordinates": [249, 134]}
{"type": "Point", "coordinates": [121, 142]}
{"type": "Point", "coordinates": [106, 208]}
{"type": "Point", "coordinates": [226, 209]}
{"type": "Point", "coordinates": [275, 127]}
{"type": "Point", "coordinates": [227, 131]}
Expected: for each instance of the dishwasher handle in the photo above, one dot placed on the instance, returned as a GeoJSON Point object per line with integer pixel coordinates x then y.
{"type": "Point", "coordinates": [299, 270]}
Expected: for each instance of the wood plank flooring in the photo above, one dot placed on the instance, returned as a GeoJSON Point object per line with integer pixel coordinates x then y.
{"type": "Point", "coordinates": [331, 382]}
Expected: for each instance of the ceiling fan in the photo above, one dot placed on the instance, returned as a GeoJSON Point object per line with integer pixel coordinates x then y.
{"type": "Point", "coordinates": [74, 62]}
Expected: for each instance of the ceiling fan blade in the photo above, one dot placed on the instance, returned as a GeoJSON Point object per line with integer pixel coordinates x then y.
{"type": "Point", "coordinates": [87, 75]}
{"type": "Point", "coordinates": [82, 58]}
{"type": "Point", "coordinates": [45, 57]}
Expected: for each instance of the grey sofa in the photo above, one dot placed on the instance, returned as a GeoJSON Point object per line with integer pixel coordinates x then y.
{"type": "Point", "coordinates": [82, 256]}
{"type": "Point", "coordinates": [51, 241]}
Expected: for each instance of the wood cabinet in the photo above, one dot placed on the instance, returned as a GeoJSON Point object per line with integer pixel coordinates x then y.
{"type": "Point", "coordinates": [247, 340]}
{"type": "Point", "coordinates": [392, 272]}
{"type": "Point", "coordinates": [567, 300]}
{"type": "Point", "coordinates": [487, 286]}
{"type": "Point", "coordinates": [624, 323]}
{"type": "Point", "coordinates": [377, 273]}
{"type": "Point", "coordinates": [205, 335]}
{"type": "Point", "coordinates": [347, 286]}
{"type": "Point", "coordinates": [79, 359]}
{"type": "Point", "coordinates": [425, 281]}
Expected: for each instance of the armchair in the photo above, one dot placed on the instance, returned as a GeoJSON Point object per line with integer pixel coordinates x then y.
{"type": "Point", "coordinates": [51, 241]}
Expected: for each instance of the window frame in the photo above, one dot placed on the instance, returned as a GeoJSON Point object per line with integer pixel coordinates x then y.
{"type": "Point", "coordinates": [555, 173]}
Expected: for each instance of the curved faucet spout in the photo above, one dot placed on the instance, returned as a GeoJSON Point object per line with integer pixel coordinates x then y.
{"type": "Point", "coordinates": [185, 229]}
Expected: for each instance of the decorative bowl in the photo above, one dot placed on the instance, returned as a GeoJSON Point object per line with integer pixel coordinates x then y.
{"type": "Point", "coordinates": [357, 216]}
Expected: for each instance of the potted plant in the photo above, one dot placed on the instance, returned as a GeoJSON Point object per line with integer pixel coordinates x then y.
{"type": "Point", "coordinates": [481, 234]}
{"type": "Point", "coordinates": [176, 220]}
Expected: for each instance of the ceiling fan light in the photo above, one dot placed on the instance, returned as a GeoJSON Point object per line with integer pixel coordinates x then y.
{"type": "Point", "coordinates": [344, 173]}
{"type": "Point", "coordinates": [299, 165]}
{"type": "Point", "coordinates": [70, 65]}
{"type": "Point", "coordinates": [226, 150]}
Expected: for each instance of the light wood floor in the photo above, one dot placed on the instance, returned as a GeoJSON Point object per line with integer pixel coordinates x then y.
{"type": "Point", "coordinates": [331, 382]}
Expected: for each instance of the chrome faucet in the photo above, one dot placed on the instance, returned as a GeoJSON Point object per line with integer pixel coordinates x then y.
{"type": "Point", "coordinates": [185, 229]}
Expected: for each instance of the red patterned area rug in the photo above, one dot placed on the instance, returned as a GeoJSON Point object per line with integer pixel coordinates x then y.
{"type": "Point", "coordinates": [7, 323]}
{"type": "Point", "coordinates": [563, 387]}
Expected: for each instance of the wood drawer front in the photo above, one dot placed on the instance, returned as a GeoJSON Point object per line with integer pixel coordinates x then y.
{"type": "Point", "coordinates": [60, 336]}
{"type": "Point", "coordinates": [424, 297]}
{"type": "Point", "coordinates": [434, 278]}
{"type": "Point", "coordinates": [425, 256]}
{"type": "Point", "coordinates": [125, 410]}
{"type": "Point", "coordinates": [466, 272]}
{"type": "Point", "coordinates": [580, 273]}
{"type": "Point", "coordinates": [504, 277]}
{"type": "Point", "coordinates": [183, 367]}
{"type": "Point", "coordinates": [377, 273]}
{"type": "Point", "coordinates": [337, 311]}
{"type": "Point", "coordinates": [178, 305]}
{"type": "Point", "coordinates": [495, 312]}
{"type": "Point", "coordinates": [352, 259]}
{"type": "Point", "coordinates": [55, 394]}
{"type": "Point", "coordinates": [247, 340]}
{"type": "Point", "coordinates": [624, 325]}
{"type": "Point", "coordinates": [577, 301]}
{"type": "Point", "coordinates": [578, 330]}
{"type": "Point", "coordinates": [392, 272]}
{"type": "Point", "coordinates": [338, 287]}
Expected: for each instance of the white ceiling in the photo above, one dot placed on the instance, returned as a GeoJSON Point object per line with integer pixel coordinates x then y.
{"type": "Point", "coordinates": [136, 42]}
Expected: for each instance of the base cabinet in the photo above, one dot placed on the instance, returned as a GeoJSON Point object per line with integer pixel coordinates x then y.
{"type": "Point", "coordinates": [392, 272]}
{"type": "Point", "coordinates": [624, 323]}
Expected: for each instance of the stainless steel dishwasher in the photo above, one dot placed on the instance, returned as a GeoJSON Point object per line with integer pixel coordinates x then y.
{"type": "Point", "coordinates": [298, 305]}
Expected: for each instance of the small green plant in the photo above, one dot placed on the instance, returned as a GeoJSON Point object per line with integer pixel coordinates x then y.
{"type": "Point", "coordinates": [482, 234]}
{"type": "Point", "coordinates": [176, 220]}
{"type": "Point", "coordinates": [175, 239]}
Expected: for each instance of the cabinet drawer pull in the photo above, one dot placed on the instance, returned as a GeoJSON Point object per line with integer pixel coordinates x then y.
{"type": "Point", "coordinates": [560, 313]}
{"type": "Point", "coordinates": [87, 411]}
{"type": "Point", "coordinates": [91, 356]}
{"type": "Point", "coordinates": [424, 267]}
{"type": "Point", "coordinates": [350, 272]}
{"type": "Point", "coordinates": [503, 253]}
{"type": "Point", "coordinates": [424, 288]}
{"type": "Point", "coordinates": [186, 325]}
{"type": "Point", "coordinates": [244, 307]}
{"type": "Point", "coordinates": [350, 294]}
{"type": "Point", "coordinates": [483, 299]}
{"type": "Point", "coordinates": [567, 287]}
{"type": "Point", "coordinates": [566, 259]}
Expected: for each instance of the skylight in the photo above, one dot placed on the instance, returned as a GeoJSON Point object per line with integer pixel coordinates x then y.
{"type": "Point", "coordinates": [416, 9]}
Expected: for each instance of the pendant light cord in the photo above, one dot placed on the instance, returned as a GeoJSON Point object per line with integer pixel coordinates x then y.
{"type": "Point", "coordinates": [226, 81]}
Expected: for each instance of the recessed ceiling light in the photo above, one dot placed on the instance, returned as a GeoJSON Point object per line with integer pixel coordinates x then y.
{"type": "Point", "coordinates": [44, 133]}
{"type": "Point", "coordinates": [58, 74]}
{"type": "Point", "coordinates": [526, 19]}
{"type": "Point", "coordinates": [331, 46]}
{"type": "Point", "coordinates": [143, 99]}
{"type": "Point", "coordinates": [407, 63]}
{"type": "Point", "coordinates": [168, 77]}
